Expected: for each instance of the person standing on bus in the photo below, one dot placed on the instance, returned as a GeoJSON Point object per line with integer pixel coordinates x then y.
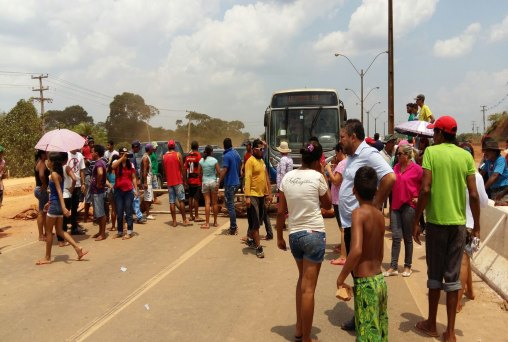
{"type": "Point", "coordinates": [230, 175]}
{"type": "Point", "coordinates": [257, 191]}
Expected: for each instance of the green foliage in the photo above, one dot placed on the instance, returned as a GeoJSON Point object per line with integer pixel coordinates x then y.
{"type": "Point", "coordinates": [98, 132]}
{"type": "Point", "coordinates": [472, 138]}
{"type": "Point", "coordinates": [67, 118]}
{"type": "Point", "coordinates": [208, 130]}
{"type": "Point", "coordinates": [128, 115]}
{"type": "Point", "coordinates": [20, 129]}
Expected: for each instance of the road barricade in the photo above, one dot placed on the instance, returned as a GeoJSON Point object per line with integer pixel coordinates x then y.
{"type": "Point", "coordinates": [491, 261]}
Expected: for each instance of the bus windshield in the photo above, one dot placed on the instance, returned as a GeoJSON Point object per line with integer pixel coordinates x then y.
{"type": "Point", "coordinates": [297, 126]}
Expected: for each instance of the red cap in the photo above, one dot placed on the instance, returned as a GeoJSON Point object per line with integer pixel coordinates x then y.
{"type": "Point", "coordinates": [171, 143]}
{"type": "Point", "coordinates": [370, 141]}
{"type": "Point", "coordinates": [445, 123]}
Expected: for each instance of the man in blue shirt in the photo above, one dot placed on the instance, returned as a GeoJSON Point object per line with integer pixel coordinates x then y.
{"type": "Point", "coordinates": [230, 174]}
{"type": "Point", "coordinates": [352, 137]}
{"type": "Point", "coordinates": [496, 169]}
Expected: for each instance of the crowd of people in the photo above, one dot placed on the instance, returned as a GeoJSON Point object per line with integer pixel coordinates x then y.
{"type": "Point", "coordinates": [434, 189]}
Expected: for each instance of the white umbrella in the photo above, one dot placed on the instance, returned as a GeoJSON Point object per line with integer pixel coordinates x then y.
{"type": "Point", "coordinates": [60, 140]}
{"type": "Point", "coordinates": [415, 128]}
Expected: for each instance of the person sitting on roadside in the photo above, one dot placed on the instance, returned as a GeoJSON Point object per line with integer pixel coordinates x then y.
{"type": "Point", "coordinates": [496, 169]}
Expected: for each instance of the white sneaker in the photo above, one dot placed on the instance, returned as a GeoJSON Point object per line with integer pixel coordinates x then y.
{"type": "Point", "coordinates": [407, 273]}
{"type": "Point", "coordinates": [150, 217]}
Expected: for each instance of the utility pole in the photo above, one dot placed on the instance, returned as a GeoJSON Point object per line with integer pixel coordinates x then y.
{"type": "Point", "coordinates": [41, 98]}
{"type": "Point", "coordinates": [391, 97]}
{"type": "Point", "coordinates": [473, 125]}
{"type": "Point", "coordinates": [484, 108]}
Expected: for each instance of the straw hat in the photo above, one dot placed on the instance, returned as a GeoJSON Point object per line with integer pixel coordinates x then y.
{"type": "Point", "coordinates": [490, 145]}
{"type": "Point", "coordinates": [284, 148]}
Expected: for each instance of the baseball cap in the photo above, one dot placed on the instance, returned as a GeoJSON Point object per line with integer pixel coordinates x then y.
{"type": "Point", "coordinates": [171, 143]}
{"type": "Point", "coordinates": [136, 143]}
{"type": "Point", "coordinates": [122, 150]}
{"type": "Point", "coordinates": [420, 97]}
{"type": "Point", "coordinates": [446, 124]}
{"type": "Point", "coordinates": [148, 147]}
{"type": "Point", "coordinates": [370, 141]}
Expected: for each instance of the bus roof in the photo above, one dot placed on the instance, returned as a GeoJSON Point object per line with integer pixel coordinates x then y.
{"type": "Point", "coordinates": [297, 90]}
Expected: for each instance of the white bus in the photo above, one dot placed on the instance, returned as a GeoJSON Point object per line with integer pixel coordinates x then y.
{"type": "Point", "coordinates": [299, 114]}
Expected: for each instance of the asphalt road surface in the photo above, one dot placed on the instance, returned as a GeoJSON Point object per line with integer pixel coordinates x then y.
{"type": "Point", "coordinates": [192, 284]}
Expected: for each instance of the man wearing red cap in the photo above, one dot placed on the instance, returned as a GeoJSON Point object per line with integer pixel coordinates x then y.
{"type": "Point", "coordinates": [174, 170]}
{"type": "Point", "coordinates": [447, 171]}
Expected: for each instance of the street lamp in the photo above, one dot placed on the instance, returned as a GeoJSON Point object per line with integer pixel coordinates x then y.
{"type": "Point", "coordinates": [368, 115]}
{"type": "Point", "coordinates": [375, 121]}
{"type": "Point", "coordinates": [365, 98]}
{"type": "Point", "coordinates": [361, 73]}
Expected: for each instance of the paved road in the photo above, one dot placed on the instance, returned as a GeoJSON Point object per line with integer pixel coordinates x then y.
{"type": "Point", "coordinates": [191, 284]}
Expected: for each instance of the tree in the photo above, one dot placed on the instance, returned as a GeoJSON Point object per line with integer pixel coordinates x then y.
{"type": "Point", "coordinates": [128, 115]}
{"type": "Point", "coordinates": [98, 132]}
{"type": "Point", "coordinates": [67, 118]}
{"type": "Point", "coordinates": [20, 130]}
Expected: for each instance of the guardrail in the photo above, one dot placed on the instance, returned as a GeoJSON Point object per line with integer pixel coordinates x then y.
{"type": "Point", "coordinates": [491, 260]}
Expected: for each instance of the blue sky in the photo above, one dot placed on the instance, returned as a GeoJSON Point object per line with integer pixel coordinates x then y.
{"type": "Point", "coordinates": [225, 58]}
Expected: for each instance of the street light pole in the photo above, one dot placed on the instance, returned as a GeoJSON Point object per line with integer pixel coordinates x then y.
{"type": "Point", "coordinates": [361, 73]}
{"type": "Point", "coordinates": [375, 121]}
{"type": "Point", "coordinates": [368, 117]}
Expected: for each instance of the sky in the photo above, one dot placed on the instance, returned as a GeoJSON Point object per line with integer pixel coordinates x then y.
{"type": "Point", "coordinates": [226, 58]}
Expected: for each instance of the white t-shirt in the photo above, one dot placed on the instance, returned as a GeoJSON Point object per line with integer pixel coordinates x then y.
{"type": "Point", "coordinates": [67, 185]}
{"type": "Point", "coordinates": [108, 154]}
{"type": "Point", "coordinates": [302, 189]}
{"type": "Point", "coordinates": [77, 163]}
{"type": "Point", "coordinates": [482, 195]}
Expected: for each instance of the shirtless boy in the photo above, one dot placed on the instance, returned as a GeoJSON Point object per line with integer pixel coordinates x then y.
{"type": "Point", "coordinates": [364, 260]}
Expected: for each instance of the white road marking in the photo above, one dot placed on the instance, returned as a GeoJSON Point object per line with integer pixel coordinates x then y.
{"type": "Point", "coordinates": [98, 322]}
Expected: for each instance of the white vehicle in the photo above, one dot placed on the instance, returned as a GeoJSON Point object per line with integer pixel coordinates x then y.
{"type": "Point", "coordinates": [297, 115]}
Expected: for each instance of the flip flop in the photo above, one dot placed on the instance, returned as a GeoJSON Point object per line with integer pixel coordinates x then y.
{"type": "Point", "coordinates": [83, 253]}
{"type": "Point", "coordinates": [43, 262]}
{"type": "Point", "coordinates": [204, 226]}
{"type": "Point", "coordinates": [423, 330]}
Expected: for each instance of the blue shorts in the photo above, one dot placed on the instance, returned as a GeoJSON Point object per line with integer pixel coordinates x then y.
{"type": "Point", "coordinates": [55, 209]}
{"type": "Point", "coordinates": [176, 192]}
{"type": "Point", "coordinates": [42, 196]}
{"type": "Point", "coordinates": [308, 244]}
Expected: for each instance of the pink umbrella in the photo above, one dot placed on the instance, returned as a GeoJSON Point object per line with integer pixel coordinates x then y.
{"type": "Point", "coordinates": [60, 140]}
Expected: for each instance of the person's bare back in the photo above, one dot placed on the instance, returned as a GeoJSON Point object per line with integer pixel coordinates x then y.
{"type": "Point", "coordinates": [368, 233]}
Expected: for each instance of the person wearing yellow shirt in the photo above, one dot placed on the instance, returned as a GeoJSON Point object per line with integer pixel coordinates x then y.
{"type": "Point", "coordinates": [425, 113]}
{"type": "Point", "coordinates": [257, 191]}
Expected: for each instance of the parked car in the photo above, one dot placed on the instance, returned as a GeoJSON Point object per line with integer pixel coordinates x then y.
{"type": "Point", "coordinates": [162, 148]}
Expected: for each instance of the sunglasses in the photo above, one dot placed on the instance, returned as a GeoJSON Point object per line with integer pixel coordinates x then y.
{"type": "Point", "coordinates": [259, 148]}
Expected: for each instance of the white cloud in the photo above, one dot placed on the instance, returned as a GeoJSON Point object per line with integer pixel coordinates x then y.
{"type": "Point", "coordinates": [368, 26]}
{"type": "Point", "coordinates": [499, 31]}
{"type": "Point", "coordinates": [458, 46]}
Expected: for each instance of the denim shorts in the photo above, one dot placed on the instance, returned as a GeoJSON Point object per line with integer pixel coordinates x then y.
{"type": "Point", "coordinates": [99, 201]}
{"type": "Point", "coordinates": [42, 196]}
{"type": "Point", "coordinates": [208, 187]}
{"type": "Point", "coordinates": [176, 192]}
{"type": "Point", "coordinates": [308, 244]}
{"type": "Point", "coordinates": [55, 209]}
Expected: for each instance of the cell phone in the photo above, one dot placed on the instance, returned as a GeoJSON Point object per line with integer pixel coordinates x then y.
{"type": "Point", "coordinates": [130, 155]}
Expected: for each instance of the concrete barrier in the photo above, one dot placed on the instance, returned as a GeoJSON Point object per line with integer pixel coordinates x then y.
{"type": "Point", "coordinates": [491, 261]}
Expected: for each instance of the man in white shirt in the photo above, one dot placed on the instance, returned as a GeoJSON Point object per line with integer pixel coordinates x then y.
{"type": "Point", "coordinates": [110, 151]}
{"type": "Point", "coordinates": [76, 161]}
{"type": "Point", "coordinates": [387, 151]}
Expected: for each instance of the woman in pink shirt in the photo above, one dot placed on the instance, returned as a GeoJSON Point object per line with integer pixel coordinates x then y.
{"type": "Point", "coordinates": [404, 197]}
